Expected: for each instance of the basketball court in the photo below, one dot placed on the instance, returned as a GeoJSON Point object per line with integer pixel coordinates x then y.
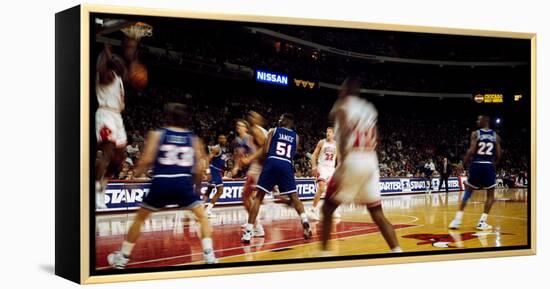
{"type": "Point", "coordinates": [170, 238]}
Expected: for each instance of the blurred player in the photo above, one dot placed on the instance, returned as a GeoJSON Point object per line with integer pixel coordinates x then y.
{"type": "Point", "coordinates": [175, 153]}
{"type": "Point", "coordinates": [279, 148]}
{"type": "Point", "coordinates": [217, 159]}
{"type": "Point", "coordinates": [323, 163]}
{"type": "Point", "coordinates": [484, 152]}
{"type": "Point", "coordinates": [110, 132]}
{"type": "Point", "coordinates": [254, 163]}
{"type": "Point", "coordinates": [356, 177]}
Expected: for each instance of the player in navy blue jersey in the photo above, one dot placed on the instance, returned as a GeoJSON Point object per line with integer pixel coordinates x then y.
{"type": "Point", "coordinates": [217, 159]}
{"type": "Point", "coordinates": [175, 154]}
{"type": "Point", "coordinates": [278, 170]}
{"type": "Point", "coordinates": [484, 152]}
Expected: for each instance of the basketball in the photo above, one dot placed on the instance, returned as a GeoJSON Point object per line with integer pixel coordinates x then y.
{"type": "Point", "coordinates": [138, 75]}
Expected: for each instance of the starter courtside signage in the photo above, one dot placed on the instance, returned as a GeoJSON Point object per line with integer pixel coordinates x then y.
{"type": "Point", "coordinates": [271, 77]}
{"type": "Point", "coordinates": [128, 195]}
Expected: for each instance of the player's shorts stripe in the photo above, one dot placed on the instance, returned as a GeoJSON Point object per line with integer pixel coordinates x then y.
{"type": "Point", "coordinates": [491, 186]}
{"type": "Point", "coordinates": [172, 176]}
{"type": "Point", "coordinates": [287, 192]}
{"type": "Point", "coordinates": [282, 159]}
{"type": "Point", "coordinates": [213, 167]}
{"type": "Point", "coordinates": [149, 207]}
{"type": "Point", "coordinates": [483, 162]}
{"type": "Point", "coordinates": [263, 189]}
{"type": "Point", "coordinates": [475, 187]}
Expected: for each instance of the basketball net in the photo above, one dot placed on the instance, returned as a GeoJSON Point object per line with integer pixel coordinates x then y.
{"type": "Point", "coordinates": [138, 30]}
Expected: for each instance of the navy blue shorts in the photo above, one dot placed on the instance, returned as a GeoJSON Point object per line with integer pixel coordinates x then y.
{"type": "Point", "coordinates": [216, 177]}
{"type": "Point", "coordinates": [482, 176]}
{"type": "Point", "coordinates": [171, 191]}
{"type": "Point", "coordinates": [277, 172]}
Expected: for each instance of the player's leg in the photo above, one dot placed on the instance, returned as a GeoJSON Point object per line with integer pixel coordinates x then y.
{"type": "Point", "coordinates": [328, 208]}
{"type": "Point", "coordinates": [287, 186]}
{"type": "Point", "coordinates": [119, 259]}
{"type": "Point", "coordinates": [441, 179]}
{"type": "Point", "coordinates": [206, 196]}
{"type": "Point", "coordinates": [299, 207]}
{"type": "Point", "coordinates": [252, 216]}
{"type": "Point", "coordinates": [105, 153]}
{"type": "Point", "coordinates": [482, 224]}
{"type": "Point", "coordinates": [385, 227]}
{"type": "Point", "coordinates": [370, 195]}
{"type": "Point", "coordinates": [473, 183]}
{"type": "Point", "coordinates": [206, 234]}
{"type": "Point", "coordinates": [313, 213]}
{"type": "Point", "coordinates": [489, 182]}
{"type": "Point", "coordinates": [217, 182]}
{"type": "Point", "coordinates": [457, 221]}
{"type": "Point", "coordinates": [217, 195]}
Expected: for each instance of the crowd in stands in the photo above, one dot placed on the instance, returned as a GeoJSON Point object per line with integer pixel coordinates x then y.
{"type": "Point", "coordinates": [404, 146]}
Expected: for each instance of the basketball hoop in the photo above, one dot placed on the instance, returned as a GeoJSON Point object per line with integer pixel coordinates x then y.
{"type": "Point", "coordinates": [138, 30]}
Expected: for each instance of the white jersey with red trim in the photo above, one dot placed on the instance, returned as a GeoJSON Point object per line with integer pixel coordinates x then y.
{"type": "Point", "coordinates": [327, 154]}
{"type": "Point", "coordinates": [108, 120]}
{"type": "Point", "coordinates": [111, 96]}
{"type": "Point", "coordinates": [360, 125]}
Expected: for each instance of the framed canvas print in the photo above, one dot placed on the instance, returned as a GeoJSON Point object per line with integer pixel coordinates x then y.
{"type": "Point", "coordinates": [194, 144]}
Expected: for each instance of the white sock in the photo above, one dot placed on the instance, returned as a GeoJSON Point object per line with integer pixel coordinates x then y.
{"type": "Point", "coordinates": [257, 225]}
{"type": "Point", "coordinates": [396, 250]}
{"type": "Point", "coordinates": [249, 227]}
{"type": "Point", "coordinates": [206, 245]}
{"type": "Point", "coordinates": [303, 216]}
{"type": "Point", "coordinates": [127, 248]}
{"type": "Point", "coordinates": [483, 217]}
{"type": "Point", "coordinates": [458, 215]}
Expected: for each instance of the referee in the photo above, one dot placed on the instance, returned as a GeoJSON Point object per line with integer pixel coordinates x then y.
{"type": "Point", "coordinates": [444, 173]}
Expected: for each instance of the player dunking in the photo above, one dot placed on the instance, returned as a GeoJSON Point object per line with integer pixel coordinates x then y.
{"type": "Point", "coordinates": [110, 132]}
{"type": "Point", "coordinates": [484, 152]}
{"type": "Point", "coordinates": [323, 163]}
{"type": "Point", "coordinates": [175, 153]}
{"type": "Point", "coordinates": [279, 148]}
{"type": "Point", "coordinates": [217, 159]}
{"type": "Point", "coordinates": [356, 177]}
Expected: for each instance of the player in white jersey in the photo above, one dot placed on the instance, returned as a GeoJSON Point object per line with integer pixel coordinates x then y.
{"type": "Point", "coordinates": [111, 136]}
{"type": "Point", "coordinates": [357, 175]}
{"type": "Point", "coordinates": [254, 163]}
{"type": "Point", "coordinates": [323, 163]}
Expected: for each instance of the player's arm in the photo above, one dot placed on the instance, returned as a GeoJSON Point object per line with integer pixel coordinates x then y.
{"type": "Point", "coordinates": [498, 150]}
{"type": "Point", "coordinates": [315, 157]}
{"type": "Point", "coordinates": [268, 141]}
{"type": "Point", "coordinates": [337, 160]}
{"type": "Point", "coordinates": [260, 139]}
{"type": "Point", "coordinates": [199, 162]}
{"type": "Point", "coordinates": [149, 153]}
{"type": "Point", "coordinates": [472, 150]}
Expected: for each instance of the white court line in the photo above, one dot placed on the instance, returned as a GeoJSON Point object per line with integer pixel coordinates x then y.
{"type": "Point", "coordinates": [495, 216]}
{"type": "Point", "coordinates": [295, 246]}
{"type": "Point", "coordinates": [221, 250]}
